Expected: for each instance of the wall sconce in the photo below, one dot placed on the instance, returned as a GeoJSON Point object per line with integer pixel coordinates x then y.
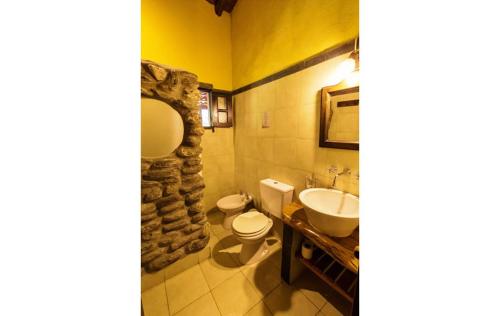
{"type": "Point", "coordinates": [348, 70]}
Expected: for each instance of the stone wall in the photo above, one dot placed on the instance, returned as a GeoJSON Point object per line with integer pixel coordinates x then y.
{"type": "Point", "coordinates": [173, 222]}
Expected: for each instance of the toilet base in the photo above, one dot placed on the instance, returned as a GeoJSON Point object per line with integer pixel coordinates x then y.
{"type": "Point", "coordinates": [252, 252]}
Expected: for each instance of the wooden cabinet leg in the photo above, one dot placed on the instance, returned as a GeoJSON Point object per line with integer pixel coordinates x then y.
{"type": "Point", "coordinates": [355, 304]}
{"type": "Point", "coordinates": [286, 253]}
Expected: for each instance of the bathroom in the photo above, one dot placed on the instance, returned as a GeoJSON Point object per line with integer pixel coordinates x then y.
{"type": "Point", "coordinates": [268, 110]}
{"type": "Point", "coordinates": [247, 154]}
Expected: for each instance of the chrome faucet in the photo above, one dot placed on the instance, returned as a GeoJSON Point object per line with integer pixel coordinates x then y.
{"type": "Point", "coordinates": [245, 194]}
{"type": "Point", "coordinates": [335, 171]}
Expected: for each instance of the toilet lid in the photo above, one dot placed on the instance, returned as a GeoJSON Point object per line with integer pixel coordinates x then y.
{"type": "Point", "coordinates": [250, 222]}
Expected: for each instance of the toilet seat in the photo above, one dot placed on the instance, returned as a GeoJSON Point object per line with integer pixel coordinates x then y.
{"type": "Point", "coordinates": [250, 223]}
{"type": "Point", "coordinates": [253, 235]}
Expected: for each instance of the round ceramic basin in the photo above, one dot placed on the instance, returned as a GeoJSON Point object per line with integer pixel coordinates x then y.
{"type": "Point", "coordinates": [332, 212]}
{"type": "Point", "coordinates": [232, 203]}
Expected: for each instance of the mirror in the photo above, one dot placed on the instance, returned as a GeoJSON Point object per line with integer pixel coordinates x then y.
{"type": "Point", "coordinates": [162, 128]}
{"type": "Point", "coordinates": [339, 117]}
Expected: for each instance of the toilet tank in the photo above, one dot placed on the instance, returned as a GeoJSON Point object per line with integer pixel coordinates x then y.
{"type": "Point", "coordinates": [275, 195]}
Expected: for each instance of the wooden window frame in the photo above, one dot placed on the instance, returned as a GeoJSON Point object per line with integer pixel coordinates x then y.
{"type": "Point", "coordinates": [215, 109]}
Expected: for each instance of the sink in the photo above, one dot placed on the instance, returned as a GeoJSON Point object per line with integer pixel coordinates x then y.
{"type": "Point", "coordinates": [332, 212]}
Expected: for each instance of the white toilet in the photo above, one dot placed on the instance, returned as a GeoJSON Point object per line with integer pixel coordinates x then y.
{"type": "Point", "coordinates": [252, 227]}
{"type": "Point", "coordinates": [232, 206]}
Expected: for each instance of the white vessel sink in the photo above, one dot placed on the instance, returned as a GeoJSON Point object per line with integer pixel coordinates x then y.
{"type": "Point", "coordinates": [332, 212]}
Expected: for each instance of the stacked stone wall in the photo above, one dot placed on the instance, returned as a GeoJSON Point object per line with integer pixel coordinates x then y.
{"type": "Point", "coordinates": [173, 222]}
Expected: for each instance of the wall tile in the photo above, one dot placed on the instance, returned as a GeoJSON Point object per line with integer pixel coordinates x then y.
{"type": "Point", "coordinates": [308, 121]}
{"type": "Point", "coordinates": [305, 154]}
{"type": "Point", "coordinates": [265, 148]}
{"type": "Point", "coordinates": [287, 151]}
{"type": "Point", "coordinates": [286, 122]}
{"type": "Point", "coordinates": [266, 97]}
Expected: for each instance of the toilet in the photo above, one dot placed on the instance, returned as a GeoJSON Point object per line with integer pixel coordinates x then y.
{"type": "Point", "coordinates": [251, 228]}
{"type": "Point", "coordinates": [232, 206]}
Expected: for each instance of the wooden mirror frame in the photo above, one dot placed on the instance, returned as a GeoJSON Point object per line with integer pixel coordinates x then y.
{"type": "Point", "coordinates": [326, 94]}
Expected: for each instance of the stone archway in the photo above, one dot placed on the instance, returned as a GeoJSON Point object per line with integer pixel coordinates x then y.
{"type": "Point", "coordinates": [173, 222]}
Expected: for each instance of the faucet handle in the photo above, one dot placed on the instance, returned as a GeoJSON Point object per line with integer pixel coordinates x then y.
{"type": "Point", "coordinates": [333, 169]}
{"type": "Point", "coordinates": [346, 171]}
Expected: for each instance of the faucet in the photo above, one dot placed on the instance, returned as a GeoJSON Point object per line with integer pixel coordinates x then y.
{"type": "Point", "coordinates": [335, 171]}
{"type": "Point", "coordinates": [245, 194]}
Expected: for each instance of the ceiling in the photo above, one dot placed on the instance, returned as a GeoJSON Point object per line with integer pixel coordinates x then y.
{"type": "Point", "coordinates": [223, 5]}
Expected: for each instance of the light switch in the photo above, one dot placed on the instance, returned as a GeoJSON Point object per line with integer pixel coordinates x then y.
{"type": "Point", "coordinates": [265, 120]}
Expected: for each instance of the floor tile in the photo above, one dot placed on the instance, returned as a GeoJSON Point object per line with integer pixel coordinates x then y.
{"type": "Point", "coordinates": [259, 310]}
{"type": "Point", "coordinates": [232, 246]}
{"type": "Point", "coordinates": [336, 305]}
{"type": "Point", "coordinates": [220, 231]}
{"type": "Point", "coordinates": [329, 310]}
{"type": "Point", "coordinates": [215, 217]}
{"type": "Point", "coordinates": [313, 288]}
{"type": "Point", "coordinates": [181, 265]}
{"type": "Point", "coordinates": [221, 264]}
{"type": "Point", "coordinates": [185, 287]}
{"type": "Point", "coordinates": [230, 241]}
{"type": "Point", "coordinates": [286, 300]}
{"type": "Point", "coordinates": [204, 306]}
{"type": "Point", "coordinates": [218, 269]}
{"type": "Point", "coordinates": [204, 254]}
{"type": "Point", "coordinates": [263, 275]}
{"type": "Point", "coordinates": [275, 253]}
{"type": "Point", "coordinates": [154, 301]}
{"type": "Point", "coordinates": [236, 296]}
{"type": "Point", "coordinates": [150, 280]}
{"type": "Point", "coordinates": [213, 241]}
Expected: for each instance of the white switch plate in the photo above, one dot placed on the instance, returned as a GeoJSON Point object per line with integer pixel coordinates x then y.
{"type": "Point", "coordinates": [265, 120]}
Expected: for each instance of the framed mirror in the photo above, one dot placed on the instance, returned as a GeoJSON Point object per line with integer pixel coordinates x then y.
{"type": "Point", "coordinates": [339, 117]}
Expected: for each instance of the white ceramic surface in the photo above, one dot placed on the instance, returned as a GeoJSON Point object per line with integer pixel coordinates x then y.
{"type": "Point", "coordinates": [253, 245]}
{"type": "Point", "coordinates": [250, 223]}
{"type": "Point", "coordinates": [274, 196]}
{"type": "Point", "coordinates": [232, 203]}
{"type": "Point", "coordinates": [232, 206]}
{"type": "Point", "coordinates": [332, 212]}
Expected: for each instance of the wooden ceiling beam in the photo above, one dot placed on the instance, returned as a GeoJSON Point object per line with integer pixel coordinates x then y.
{"type": "Point", "coordinates": [223, 5]}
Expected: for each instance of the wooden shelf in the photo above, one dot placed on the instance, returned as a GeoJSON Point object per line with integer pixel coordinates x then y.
{"type": "Point", "coordinates": [332, 273]}
{"type": "Point", "coordinates": [341, 249]}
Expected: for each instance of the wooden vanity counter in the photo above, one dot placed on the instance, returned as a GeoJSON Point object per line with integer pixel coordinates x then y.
{"type": "Point", "coordinates": [341, 249]}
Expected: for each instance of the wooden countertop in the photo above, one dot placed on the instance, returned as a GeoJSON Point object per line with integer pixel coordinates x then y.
{"type": "Point", "coordinates": [341, 249]}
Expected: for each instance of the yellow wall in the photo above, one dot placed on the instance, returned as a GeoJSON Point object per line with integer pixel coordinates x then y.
{"type": "Point", "coordinates": [288, 150]}
{"type": "Point", "coordinates": [187, 34]}
{"type": "Point", "coordinates": [270, 35]}
{"type": "Point", "coordinates": [261, 37]}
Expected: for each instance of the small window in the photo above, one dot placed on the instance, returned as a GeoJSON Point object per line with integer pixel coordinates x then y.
{"type": "Point", "coordinates": [215, 107]}
{"type": "Point", "coordinates": [205, 102]}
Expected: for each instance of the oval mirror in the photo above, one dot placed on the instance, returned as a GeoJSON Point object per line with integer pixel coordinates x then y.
{"type": "Point", "coordinates": [162, 128]}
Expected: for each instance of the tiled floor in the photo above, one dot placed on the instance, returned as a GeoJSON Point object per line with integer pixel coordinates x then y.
{"type": "Point", "coordinates": [220, 285]}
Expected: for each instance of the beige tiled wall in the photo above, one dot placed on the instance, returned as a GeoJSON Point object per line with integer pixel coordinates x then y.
{"type": "Point", "coordinates": [288, 150]}
{"type": "Point", "coordinates": [218, 165]}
